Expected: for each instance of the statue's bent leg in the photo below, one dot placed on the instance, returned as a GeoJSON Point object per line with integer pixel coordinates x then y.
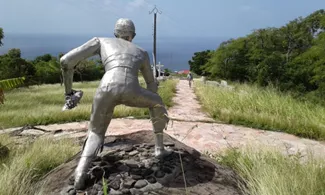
{"type": "Point", "coordinates": [102, 111]}
{"type": "Point", "coordinates": [158, 114]}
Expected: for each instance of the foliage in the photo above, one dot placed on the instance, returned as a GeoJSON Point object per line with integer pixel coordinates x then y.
{"type": "Point", "coordinates": [1, 36]}
{"type": "Point", "coordinates": [44, 69]}
{"type": "Point", "coordinates": [290, 58]}
{"type": "Point", "coordinates": [8, 84]}
{"type": "Point", "coordinates": [26, 164]}
{"type": "Point", "coordinates": [266, 171]}
{"type": "Point", "coordinates": [198, 60]}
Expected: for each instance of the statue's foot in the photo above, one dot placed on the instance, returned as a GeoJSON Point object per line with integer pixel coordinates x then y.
{"type": "Point", "coordinates": [72, 100]}
{"type": "Point", "coordinates": [161, 153]}
{"type": "Point", "coordinates": [80, 181]}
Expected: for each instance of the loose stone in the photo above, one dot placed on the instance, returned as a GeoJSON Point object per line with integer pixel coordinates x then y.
{"type": "Point", "coordinates": [129, 183]}
{"type": "Point", "coordinates": [151, 179]}
{"type": "Point", "coordinates": [140, 184]}
{"type": "Point", "coordinates": [134, 152]}
{"type": "Point", "coordinates": [159, 174]}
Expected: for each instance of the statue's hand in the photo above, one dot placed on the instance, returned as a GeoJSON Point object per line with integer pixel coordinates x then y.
{"type": "Point", "coordinates": [152, 87]}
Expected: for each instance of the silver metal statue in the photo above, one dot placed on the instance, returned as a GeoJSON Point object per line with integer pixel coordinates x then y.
{"type": "Point", "coordinates": [120, 85]}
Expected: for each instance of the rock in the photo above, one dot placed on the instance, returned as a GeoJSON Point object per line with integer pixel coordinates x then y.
{"type": "Point", "coordinates": [153, 187]}
{"type": "Point", "coordinates": [134, 152]}
{"type": "Point", "coordinates": [115, 183]}
{"type": "Point", "coordinates": [147, 163]}
{"type": "Point", "coordinates": [98, 187]}
{"type": "Point", "coordinates": [159, 174]}
{"type": "Point", "coordinates": [169, 144]}
{"type": "Point", "coordinates": [125, 191]}
{"type": "Point", "coordinates": [109, 158]}
{"type": "Point", "coordinates": [150, 145]}
{"type": "Point", "coordinates": [100, 193]}
{"type": "Point", "coordinates": [147, 172]}
{"type": "Point", "coordinates": [123, 168]}
{"type": "Point", "coordinates": [140, 184]}
{"type": "Point", "coordinates": [141, 149]}
{"type": "Point", "coordinates": [32, 132]}
{"type": "Point", "coordinates": [114, 192]}
{"type": "Point", "coordinates": [122, 153]}
{"type": "Point", "coordinates": [103, 163]}
{"type": "Point", "coordinates": [155, 168]}
{"type": "Point", "coordinates": [129, 183]}
{"type": "Point", "coordinates": [136, 177]}
{"type": "Point", "coordinates": [97, 172]}
{"type": "Point", "coordinates": [132, 163]}
{"type": "Point", "coordinates": [92, 192]}
{"type": "Point", "coordinates": [135, 191]}
{"type": "Point", "coordinates": [114, 176]}
{"type": "Point", "coordinates": [72, 191]}
{"type": "Point", "coordinates": [151, 179]}
{"type": "Point", "coordinates": [128, 149]}
{"type": "Point", "coordinates": [167, 170]}
{"type": "Point", "coordinates": [145, 154]}
{"type": "Point", "coordinates": [124, 174]}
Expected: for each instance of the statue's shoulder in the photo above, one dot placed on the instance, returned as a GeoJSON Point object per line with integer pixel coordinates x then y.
{"type": "Point", "coordinates": [105, 39]}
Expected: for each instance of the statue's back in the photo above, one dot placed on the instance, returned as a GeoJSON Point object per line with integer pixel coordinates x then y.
{"type": "Point", "coordinates": [120, 53]}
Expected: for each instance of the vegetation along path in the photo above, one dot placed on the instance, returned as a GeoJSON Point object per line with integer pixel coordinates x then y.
{"type": "Point", "coordinates": [194, 128]}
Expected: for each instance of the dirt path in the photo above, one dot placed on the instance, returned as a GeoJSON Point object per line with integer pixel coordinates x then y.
{"type": "Point", "coordinates": [203, 136]}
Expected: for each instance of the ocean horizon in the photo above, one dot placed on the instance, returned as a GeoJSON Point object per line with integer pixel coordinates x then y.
{"type": "Point", "coordinates": [173, 52]}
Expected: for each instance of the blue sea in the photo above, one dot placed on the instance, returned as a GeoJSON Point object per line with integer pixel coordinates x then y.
{"type": "Point", "coordinates": [174, 53]}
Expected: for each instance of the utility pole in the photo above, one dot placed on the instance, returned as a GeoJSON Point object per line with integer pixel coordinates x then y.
{"type": "Point", "coordinates": [155, 11]}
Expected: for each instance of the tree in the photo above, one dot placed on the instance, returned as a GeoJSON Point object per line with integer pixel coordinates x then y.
{"type": "Point", "coordinates": [290, 57]}
{"type": "Point", "coordinates": [13, 66]}
{"type": "Point", "coordinates": [1, 36]}
{"type": "Point", "coordinates": [167, 71]}
{"type": "Point", "coordinates": [198, 61]}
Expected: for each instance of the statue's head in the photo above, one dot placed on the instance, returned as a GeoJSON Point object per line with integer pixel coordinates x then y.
{"type": "Point", "coordinates": [124, 29]}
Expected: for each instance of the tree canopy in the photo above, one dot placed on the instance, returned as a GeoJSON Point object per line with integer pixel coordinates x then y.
{"type": "Point", "coordinates": [291, 57]}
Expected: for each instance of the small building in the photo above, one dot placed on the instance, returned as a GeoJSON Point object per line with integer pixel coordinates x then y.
{"type": "Point", "coordinates": [183, 72]}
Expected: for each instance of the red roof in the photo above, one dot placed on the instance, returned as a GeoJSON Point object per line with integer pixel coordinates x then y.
{"type": "Point", "coordinates": [183, 72]}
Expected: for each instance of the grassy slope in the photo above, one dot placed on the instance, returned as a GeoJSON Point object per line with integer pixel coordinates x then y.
{"type": "Point", "coordinates": [42, 105]}
{"type": "Point", "coordinates": [262, 108]}
{"type": "Point", "coordinates": [267, 171]}
{"type": "Point", "coordinates": [26, 164]}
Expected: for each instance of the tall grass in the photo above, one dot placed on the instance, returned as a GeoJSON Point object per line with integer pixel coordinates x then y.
{"type": "Point", "coordinates": [267, 171]}
{"type": "Point", "coordinates": [27, 164]}
{"type": "Point", "coordinates": [263, 108]}
{"type": "Point", "coordinates": [41, 105]}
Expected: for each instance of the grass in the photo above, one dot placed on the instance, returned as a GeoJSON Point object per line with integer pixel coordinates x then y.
{"type": "Point", "coordinates": [263, 108]}
{"type": "Point", "coordinates": [25, 165]}
{"type": "Point", "coordinates": [267, 171]}
{"type": "Point", "coordinates": [41, 105]}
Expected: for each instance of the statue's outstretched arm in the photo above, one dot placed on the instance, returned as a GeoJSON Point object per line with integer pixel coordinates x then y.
{"type": "Point", "coordinates": [88, 49]}
{"type": "Point", "coordinates": [73, 57]}
{"type": "Point", "coordinates": [148, 75]}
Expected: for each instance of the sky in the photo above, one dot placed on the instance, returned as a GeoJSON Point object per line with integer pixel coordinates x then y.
{"type": "Point", "coordinates": [178, 18]}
